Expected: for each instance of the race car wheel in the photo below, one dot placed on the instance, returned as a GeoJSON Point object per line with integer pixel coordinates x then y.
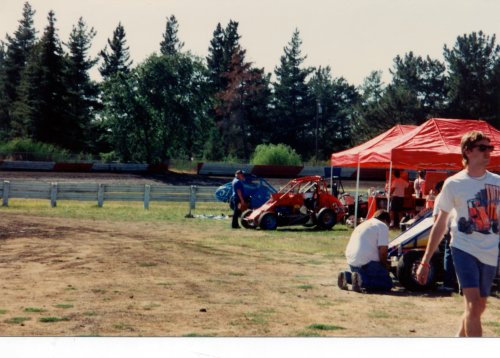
{"type": "Point", "coordinates": [326, 219]}
{"type": "Point", "coordinates": [268, 221]}
{"type": "Point", "coordinates": [244, 222]}
{"type": "Point", "coordinates": [407, 272]}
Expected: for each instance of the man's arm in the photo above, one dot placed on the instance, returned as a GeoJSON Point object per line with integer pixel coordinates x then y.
{"type": "Point", "coordinates": [240, 195]}
{"type": "Point", "coordinates": [382, 254]}
{"type": "Point", "coordinates": [435, 237]}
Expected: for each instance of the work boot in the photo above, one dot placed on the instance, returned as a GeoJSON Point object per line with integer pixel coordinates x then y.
{"type": "Point", "coordinates": [356, 282]}
{"type": "Point", "coordinates": [341, 281]}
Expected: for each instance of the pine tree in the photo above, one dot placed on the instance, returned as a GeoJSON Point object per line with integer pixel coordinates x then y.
{"type": "Point", "coordinates": [294, 108]}
{"type": "Point", "coordinates": [336, 101]}
{"type": "Point", "coordinates": [17, 53]}
{"type": "Point", "coordinates": [171, 44]}
{"type": "Point", "coordinates": [243, 90]}
{"type": "Point", "coordinates": [3, 101]}
{"type": "Point", "coordinates": [472, 67]}
{"type": "Point", "coordinates": [419, 85]}
{"type": "Point", "coordinates": [117, 58]}
{"type": "Point", "coordinates": [82, 91]}
{"type": "Point", "coordinates": [42, 104]}
{"type": "Point", "coordinates": [222, 47]}
{"type": "Point", "coordinates": [215, 58]}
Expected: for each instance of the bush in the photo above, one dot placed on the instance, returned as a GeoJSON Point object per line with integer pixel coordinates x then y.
{"type": "Point", "coordinates": [275, 154]}
{"type": "Point", "coordinates": [26, 149]}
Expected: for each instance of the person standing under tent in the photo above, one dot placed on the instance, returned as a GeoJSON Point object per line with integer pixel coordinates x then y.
{"type": "Point", "coordinates": [397, 194]}
{"type": "Point", "coordinates": [473, 196]}
{"type": "Point", "coordinates": [419, 185]}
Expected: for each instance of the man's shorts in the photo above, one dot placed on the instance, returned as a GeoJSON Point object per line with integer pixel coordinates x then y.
{"type": "Point", "coordinates": [472, 273]}
{"type": "Point", "coordinates": [397, 203]}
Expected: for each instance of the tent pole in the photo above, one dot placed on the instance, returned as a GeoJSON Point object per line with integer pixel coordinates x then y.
{"type": "Point", "coordinates": [356, 198]}
{"type": "Point", "coordinates": [389, 188]}
{"type": "Point", "coordinates": [331, 176]}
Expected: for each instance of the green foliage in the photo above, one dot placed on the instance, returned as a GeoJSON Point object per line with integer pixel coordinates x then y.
{"type": "Point", "coordinates": [34, 309]}
{"type": "Point", "coordinates": [53, 319]}
{"type": "Point", "coordinates": [26, 149]}
{"type": "Point", "coordinates": [17, 320]}
{"type": "Point", "coordinates": [158, 110]}
{"type": "Point", "coordinates": [275, 154]}
{"type": "Point", "coordinates": [117, 58]}
{"type": "Point", "coordinates": [14, 57]}
{"type": "Point", "coordinates": [325, 327]}
{"type": "Point", "coordinates": [294, 108]}
{"type": "Point", "coordinates": [82, 92]}
{"type": "Point", "coordinates": [473, 65]}
{"type": "Point", "coordinates": [336, 101]}
{"type": "Point", "coordinates": [244, 92]}
{"type": "Point", "coordinates": [171, 44]}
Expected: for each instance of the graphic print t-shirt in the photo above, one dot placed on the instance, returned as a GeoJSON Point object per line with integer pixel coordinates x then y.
{"type": "Point", "coordinates": [474, 226]}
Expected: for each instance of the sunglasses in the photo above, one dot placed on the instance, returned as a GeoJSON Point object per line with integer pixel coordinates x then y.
{"type": "Point", "coordinates": [483, 147]}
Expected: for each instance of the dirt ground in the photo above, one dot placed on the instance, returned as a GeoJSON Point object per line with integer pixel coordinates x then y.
{"type": "Point", "coordinates": [72, 277]}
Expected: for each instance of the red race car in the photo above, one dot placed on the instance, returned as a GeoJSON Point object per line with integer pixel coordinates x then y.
{"type": "Point", "coordinates": [304, 201]}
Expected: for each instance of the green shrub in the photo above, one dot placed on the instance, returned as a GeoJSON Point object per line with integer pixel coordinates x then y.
{"type": "Point", "coordinates": [26, 149]}
{"type": "Point", "coordinates": [275, 154]}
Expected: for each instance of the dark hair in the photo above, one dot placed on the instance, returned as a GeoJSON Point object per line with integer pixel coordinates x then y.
{"type": "Point", "coordinates": [439, 185]}
{"type": "Point", "coordinates": [468, 141]}
{"type": "Point", "coordinates": [397, 174]}
{"type": "Point", "coordinates": [383, 216]}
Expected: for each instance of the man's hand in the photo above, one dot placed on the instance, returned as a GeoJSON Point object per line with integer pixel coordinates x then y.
{"type": "Point", "coordinates": [243, 206]}
{"type": "Point", "coordinates": [423, 273]}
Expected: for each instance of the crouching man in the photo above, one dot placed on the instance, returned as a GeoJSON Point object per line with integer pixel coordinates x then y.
{"type": "Point", "coordinates": [366, 255]}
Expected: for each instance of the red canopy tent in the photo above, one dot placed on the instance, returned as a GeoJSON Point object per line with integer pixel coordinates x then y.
{"type": "Point", "coordinates": [433, 145]}
{"type": "Point", "coordinates": [436, 145]}
{"type": "Point", "coordinates": [350, 157]}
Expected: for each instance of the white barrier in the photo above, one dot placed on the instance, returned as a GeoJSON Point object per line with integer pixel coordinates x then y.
{"type": "Point", "coordinates": [106, 192]}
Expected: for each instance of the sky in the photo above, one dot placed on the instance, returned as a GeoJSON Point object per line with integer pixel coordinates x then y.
{"type": "Point", "coordinates": [353, 37]}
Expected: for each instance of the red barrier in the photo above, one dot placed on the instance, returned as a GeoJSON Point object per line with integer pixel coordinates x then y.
{"type": "Point", "coordinates": [159, 168]}
{"type": "Point", "coordinates": [72, 167]}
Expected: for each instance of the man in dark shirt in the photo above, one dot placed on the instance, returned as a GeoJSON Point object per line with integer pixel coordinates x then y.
{"type": "Point", "coordinates": [238, 197]}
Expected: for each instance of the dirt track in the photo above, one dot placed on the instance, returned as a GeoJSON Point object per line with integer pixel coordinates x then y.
{"type": "Point", "coordinates": [102, 278]}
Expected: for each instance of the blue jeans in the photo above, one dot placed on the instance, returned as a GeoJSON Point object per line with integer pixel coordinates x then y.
{"type": "Point", "coordinates": [449, 277]}
{"type": "Point", "coordinates": [374, 276]}
{"type": "Point", "coordinates": [472, 273]}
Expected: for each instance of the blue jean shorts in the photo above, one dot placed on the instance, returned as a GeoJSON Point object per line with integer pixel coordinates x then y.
{"type": "Point", "coordinates": [472, 273]}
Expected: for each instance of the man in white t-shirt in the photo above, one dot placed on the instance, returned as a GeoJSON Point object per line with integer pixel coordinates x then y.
{"type": "Point", "coordinates": [473, 196]}
{"type": "Point", "coordinates": [366, 255]}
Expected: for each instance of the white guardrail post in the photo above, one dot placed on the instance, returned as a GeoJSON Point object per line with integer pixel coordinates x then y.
{"type": "Point", "coordinates": [147, 195]}
{"type": "Point", "coordinates": [5, 193]}
{"type": "Point", "coordinates": [53, 195]}
{"type": "Point", "coordinates": [192, 201]}
{"type": "Point", "coordinates": [100, 195]}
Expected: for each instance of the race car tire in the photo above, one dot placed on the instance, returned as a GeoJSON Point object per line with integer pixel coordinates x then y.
{"type": "Point", "coordinates": [407, 269]}
{"type": "Point", "coordinates": [268, 221]}
{"type": "Point", "coordinates": [326, 219]}
{"type": "Point", "coordinates": [244, 222]}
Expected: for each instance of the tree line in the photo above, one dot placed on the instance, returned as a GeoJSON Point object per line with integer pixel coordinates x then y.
{"type": "Point", "coordinates": [178, 105]}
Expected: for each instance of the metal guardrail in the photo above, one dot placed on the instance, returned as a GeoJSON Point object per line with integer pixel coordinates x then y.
{"type": "Point", "coordinates": [106, 192]}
